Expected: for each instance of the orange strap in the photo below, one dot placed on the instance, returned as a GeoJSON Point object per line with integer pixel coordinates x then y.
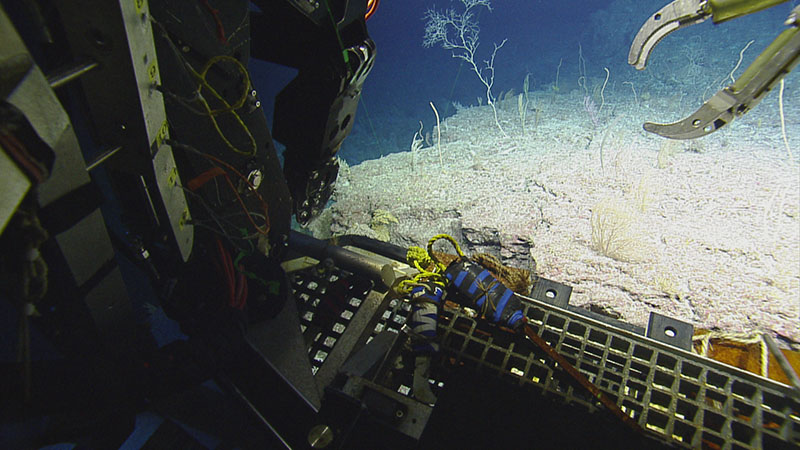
{"type": "Point", "coordinates": [200, 180]}
{"type": "Point", "coordinates": [582, 380]}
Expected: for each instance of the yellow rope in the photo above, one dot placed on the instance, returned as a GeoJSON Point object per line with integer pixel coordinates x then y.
{"type": "Point", "coordinates": [418, 256]}
{"type": "Point", "coordinates": [738, 338]}
{"type": "Point", "coordinates": [421, 259]}
{"type": "Point", "coordinates": [448, 238]}
{"type": "Point", "coordinates": [421, 279]}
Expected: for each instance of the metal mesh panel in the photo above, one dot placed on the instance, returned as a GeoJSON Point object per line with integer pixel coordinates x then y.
{"type": "Point", "coordinates": [326, 302]}
{"type": "Point", "coordinates": [680, 396]}
{"type": "Point", "coordinates": [677, 395]}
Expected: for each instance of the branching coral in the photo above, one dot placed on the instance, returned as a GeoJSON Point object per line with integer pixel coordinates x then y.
{"type": "Point", "coordinates": [612, 230]}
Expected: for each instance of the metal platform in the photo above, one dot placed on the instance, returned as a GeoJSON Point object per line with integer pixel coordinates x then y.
{"type": "Point", "coordinates": [682, 397]}
{"type": "Point", "coordinates": [676, 395]}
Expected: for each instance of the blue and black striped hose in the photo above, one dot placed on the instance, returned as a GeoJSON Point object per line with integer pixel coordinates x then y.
{"type": "Point", "coordinates": [475, 287]}
{"type": "Point", "coordinates": [425, 301]}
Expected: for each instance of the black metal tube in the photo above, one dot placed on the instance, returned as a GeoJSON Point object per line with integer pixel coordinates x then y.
{"type": "Point", "coordinates": [346, 259]}
{"type": "Point", "coordinates": [386, 249]}
{"type": "Point", "coordinates": [102, 158]}
{"type": "Point", "coordinates": [68, 74]}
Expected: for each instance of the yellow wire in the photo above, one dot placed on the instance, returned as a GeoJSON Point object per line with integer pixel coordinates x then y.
{"type": "Point", "coordinates": [242, 70]}
{"type": "Point", "coordinates": [212, 113]}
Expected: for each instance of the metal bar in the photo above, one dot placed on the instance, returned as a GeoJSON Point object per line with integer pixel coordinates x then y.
{"type": "Point", "coordinates": [149, 200]}
{"type": "Point", "coordinates": [102, 158]}
{"type": "Point", "coordinates": [254, 410]}
{"type": "Point", "coordinates": [66, 75]}
{"type": "Point", "coordinates": [783, 362]}
{"type": "Point", "coordinates": [119, 94]}
{"type": "Point", "coordinates": [343, 258]}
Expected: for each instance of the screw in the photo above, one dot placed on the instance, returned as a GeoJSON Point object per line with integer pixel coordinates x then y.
{"type": "Point", "coordinates": [320, 436]}
{"type": "Point", "coordinates": [255, 177]}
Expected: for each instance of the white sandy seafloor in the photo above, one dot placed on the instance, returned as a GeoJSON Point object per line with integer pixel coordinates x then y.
{"type": "Point", "coordinates": [714, 234]}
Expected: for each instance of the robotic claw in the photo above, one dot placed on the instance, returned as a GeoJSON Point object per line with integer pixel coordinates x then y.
{"type": "Point", "coordinates": [769, 68]}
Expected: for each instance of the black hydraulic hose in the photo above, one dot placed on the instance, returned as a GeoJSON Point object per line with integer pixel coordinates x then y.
{"type": "Point", "coordinates": [386, 249]}
{"type": "Point", "coordinates": [346, 259]}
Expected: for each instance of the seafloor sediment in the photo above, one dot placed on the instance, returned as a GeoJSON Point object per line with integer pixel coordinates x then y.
{"type": "Point", "coordinates": [709, 230]}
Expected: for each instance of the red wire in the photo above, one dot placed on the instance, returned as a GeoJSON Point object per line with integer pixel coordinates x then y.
{"type": "Point", "coordinates": [200, 180]}
{"type": "Point", "coordinates": [20, 155]}
{"type": "Point", "coordinates": [241, 290]}
{"type": "Point", "coordinates": [218, 21]}
{"type": "Point", "coordinates": [227, 269]}
{"type": "Point", "coordinates": [260, 230]}
{"type": "Point", "coordinates": [231, 276]}
{"type": "Point", "coordinates": [237, 283]}
{"type": "Point", "coordinates": [265, 230]}
{"type": "Point", "coordinates": [237, 302]}
{"type": "Point", "coordinates": [244, 291]}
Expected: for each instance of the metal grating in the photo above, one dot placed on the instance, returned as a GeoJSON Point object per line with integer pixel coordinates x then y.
{"type": "Point", "coordinates": [392, 318]}
{"type": "Point", "coordinates": [326, 302]}
{"type": "Point", "coordinates": [683, 398]}
{"type": "Point", "coordinates": [394, 314]}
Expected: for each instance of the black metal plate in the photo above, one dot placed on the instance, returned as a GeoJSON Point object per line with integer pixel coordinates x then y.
{"type": "Point", "coordinates": [670, 331]}
{"type": "Point", "coordinates": [551, 292]}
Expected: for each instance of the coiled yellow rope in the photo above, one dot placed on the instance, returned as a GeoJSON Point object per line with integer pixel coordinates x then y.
{"type": "Point", "coordinates": [422, 260]}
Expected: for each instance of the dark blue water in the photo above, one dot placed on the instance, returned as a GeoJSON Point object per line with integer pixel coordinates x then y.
{"type": "Point", "coordinates": [539, 34]}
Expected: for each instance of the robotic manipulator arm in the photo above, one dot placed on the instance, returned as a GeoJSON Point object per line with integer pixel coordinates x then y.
{"type": "Point", "coordinates": [777, 60]}
{"type": "Point", "coordinates": [315, 112]}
